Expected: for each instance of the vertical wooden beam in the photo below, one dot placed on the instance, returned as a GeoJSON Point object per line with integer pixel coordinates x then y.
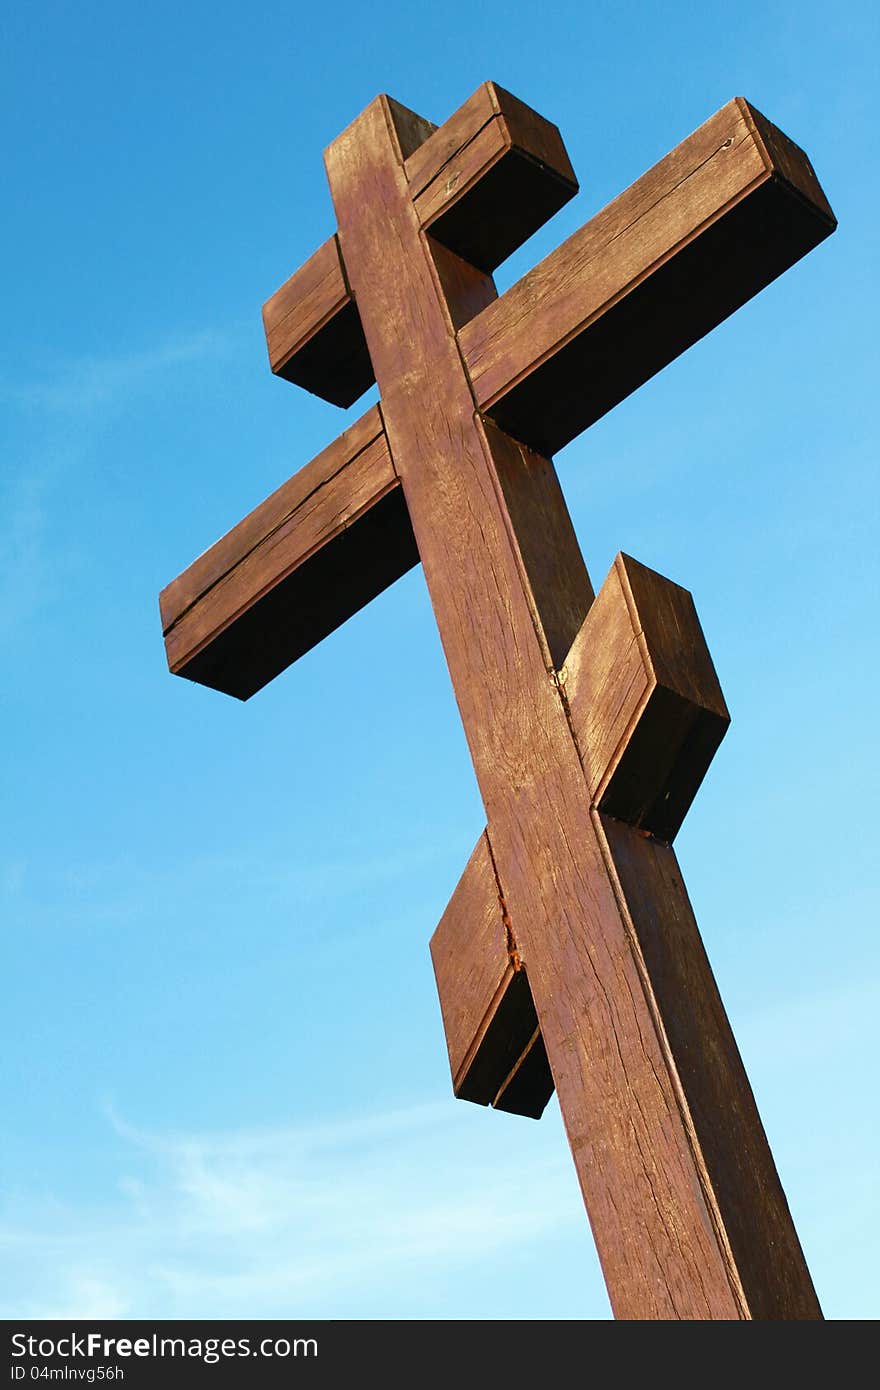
{"type": "Point", "coordinates": [656, 1219]}
{"type": "Point", "coordinates": [730, 1149]}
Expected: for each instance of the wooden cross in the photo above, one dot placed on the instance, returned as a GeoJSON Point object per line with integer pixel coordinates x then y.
{"type": "Point", "coordinates": [568, 955]}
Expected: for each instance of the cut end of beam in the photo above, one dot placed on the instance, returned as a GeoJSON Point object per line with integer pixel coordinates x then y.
{"type": "Point", "coordinates": [645, 703]}
{"type": "Point", "coordinates": [711, 225]}
{"type": "Point", "coordinates": [492, 174]}
{"type": "Point", "coordinates": [309, 557]}
{"type": "Point", "coordinates": [787, 162]}
{"type": "Point", "coordinates": [495, 1050]}
{"type": "Point", "coordinates": [313, 331]}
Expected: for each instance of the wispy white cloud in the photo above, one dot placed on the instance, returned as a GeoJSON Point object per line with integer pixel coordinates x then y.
{"type": "Point", "coordinates": [300, 1220]}
{"type": "Point", "coordinates": [372, 1215]}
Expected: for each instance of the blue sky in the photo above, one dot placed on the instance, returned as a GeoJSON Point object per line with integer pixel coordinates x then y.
{"type": "Point", "coordinates": [225, 1089]}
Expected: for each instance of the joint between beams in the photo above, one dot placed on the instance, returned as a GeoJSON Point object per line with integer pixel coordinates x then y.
{"type": "Point", "coordinates": [559, 679]}
{"type": "Point", "coordinates": [513, 952]}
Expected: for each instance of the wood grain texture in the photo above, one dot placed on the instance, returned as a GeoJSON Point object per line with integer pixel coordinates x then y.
{"type": "Point", "coordinates": [730, 1146]}
{"type": "Point", "coordinates": [652, 1203]}
{"type": "Point", "coordinates": [558, 586]}
{"type": "Point", "coordinates": [568, 954]}
{"type": "Point", "coordinates": [647, 714]}
{"type": "Point", "coordinates": [467, 289]}
{"type": "Point", "coordinates": [488, 1014]}
{"type": "Point", "coordinates": [325, 543]}
{"type": "Point", "coordinates": [413, 131]}
{"type": "Point", "coordinates": [490, 177]}
{"type": "Point", "coordinates": [472, 967]}
{"type": "Point", "coordinates": [710, 225]}
{"type": "Point", "coordinates": [313, 332]}
{"type": "Point", "coordinates": [426, 162]}
{"type": "Point", "coordinates": [645, 704]}
{"type": "Point", "coordinates": [651, 1217]}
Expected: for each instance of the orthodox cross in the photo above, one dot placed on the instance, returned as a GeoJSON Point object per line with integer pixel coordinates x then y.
{"type": "Point", "coordinates": [568, 956]}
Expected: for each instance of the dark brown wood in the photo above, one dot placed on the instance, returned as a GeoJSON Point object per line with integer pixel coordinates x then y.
{"type": "Point", "coordinates": [730, 208]}
{"type": "Point", "coordinates": [558, 587]}
{"type": "Point", "coordinates": [329, 540]}
{"type": "Point", "coordinates": [430, 157]}
{"type": "Point", "coordinates": [651, 1202]}
{"type": "Point", "coordinates": [492, 1034]}
{"type": "Point", "coordinates": [493, 174]}
{"type": "Point", "coordinates": [730, 1148]}
{"type": "Point", "coordinates": [568, 954]}
{"type": "Point", "coordinates": [473, 966]}
{"type": "Point", "coordinates": [645, 704]}
{"type": "Point", "coordinates": [314, 334]}
{"type": "Point", "coordinates": [647, 715]}
{"type": "Point", "coordinates": [413, 131]}
{"type": "Point", "coordinates": [529, 1085]}
{"type": "Point", "coordinates": [536, 799]}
